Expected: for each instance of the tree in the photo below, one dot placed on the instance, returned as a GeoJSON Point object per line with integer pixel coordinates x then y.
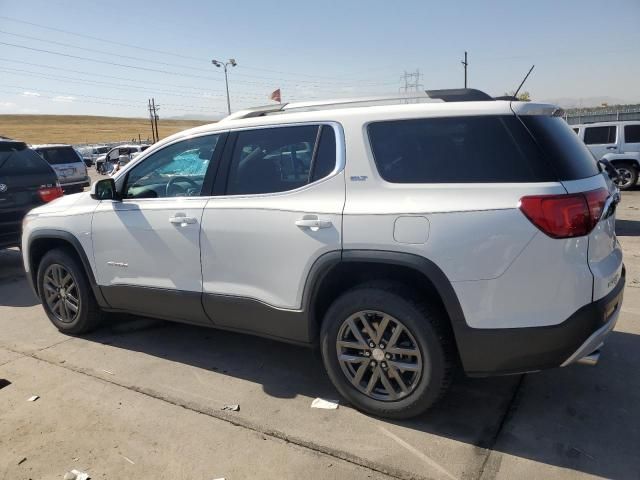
{"type": "Point", "coordinates": [523, 97]}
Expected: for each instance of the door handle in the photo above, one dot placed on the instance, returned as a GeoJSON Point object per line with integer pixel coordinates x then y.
{"type": "Point", "coordinates": [611, 148]}
{"type": "Point", "coordinates": [182, 219]}
{"type": "Point", "coordinates": [312, 222]}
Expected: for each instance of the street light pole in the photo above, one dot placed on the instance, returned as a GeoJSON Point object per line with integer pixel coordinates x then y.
{"type": "Point", "coordinates": [219, 64]}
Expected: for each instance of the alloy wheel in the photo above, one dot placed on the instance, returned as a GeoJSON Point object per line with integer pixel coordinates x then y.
{"type": "Point", "coordinates": [61, 293]}
{"type": "Point", "coordinates": [624, 177]}
{"type": "Point", "coordinates": [379, 355]}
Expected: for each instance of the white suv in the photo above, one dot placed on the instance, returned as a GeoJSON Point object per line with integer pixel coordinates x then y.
{"type": "Point", "coordinates": [404, 240]}
{"type": "Point", "coordinates": [618, 143]}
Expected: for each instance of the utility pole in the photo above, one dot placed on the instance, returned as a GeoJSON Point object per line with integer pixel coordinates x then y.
{"type": "Point", "coordinates": [152, 118]}
{"type": "Point", "coordinates": [411, 83]}
{"type": "Point", "coordinates": [155, 116]}
{"type": "Point", "coordinates": [465, 64]}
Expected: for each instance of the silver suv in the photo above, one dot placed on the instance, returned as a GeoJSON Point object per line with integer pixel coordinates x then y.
{"type": "Point", "coordinates": [68, 165]}
{"type": "Point", "coordinates": [404, 240]}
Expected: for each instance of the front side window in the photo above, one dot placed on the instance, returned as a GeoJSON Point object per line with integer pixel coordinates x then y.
{"type": "Point", "coordinates": [279, 159]}
{"type": "Point", "coordinates": [177, 170]}
{"type": "Point", "coordinates": [600, 135]}
{"type": "Point", "coordinates": [632, 133]}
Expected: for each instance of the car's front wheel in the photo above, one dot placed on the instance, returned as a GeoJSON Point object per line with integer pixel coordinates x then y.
{"type": "Point", "coordinates": [627, 176]}
{"type": "Point", "coordinates": [386, 351]}
{"type": "Point", "coordinates": [66, 293]}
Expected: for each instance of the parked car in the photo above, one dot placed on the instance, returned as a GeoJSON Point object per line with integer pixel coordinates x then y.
{"type": "Point", "coordinates": [26, 181]}
{"type": "Point", "coordinates": [68, 165]}
{"type": "Point", "coordinates": [617, 142]}
{"type": "Point", "coordinates": [403, 240]}
{"type": "Point", "coordinates": [119, 155]}
{"type": "Point", "coordinates": [90, 154]}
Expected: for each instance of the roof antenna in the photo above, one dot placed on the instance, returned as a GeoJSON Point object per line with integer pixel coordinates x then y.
{"type": "Point", "coordinates": [515, 95]}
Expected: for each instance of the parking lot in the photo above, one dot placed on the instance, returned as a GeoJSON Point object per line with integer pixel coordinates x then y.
{"type": "Point", "coordinates": [141, 398]}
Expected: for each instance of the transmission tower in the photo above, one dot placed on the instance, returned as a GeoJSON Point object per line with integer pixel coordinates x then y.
{"type": "Point", "coordinates": [410, 84]}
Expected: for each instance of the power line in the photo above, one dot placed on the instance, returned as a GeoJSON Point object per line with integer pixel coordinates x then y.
{"type": "Point", "coordinates": [182, 56]}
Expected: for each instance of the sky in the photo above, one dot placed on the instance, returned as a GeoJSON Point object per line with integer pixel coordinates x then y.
{"type": "Point", "coordinates": [110, 57]}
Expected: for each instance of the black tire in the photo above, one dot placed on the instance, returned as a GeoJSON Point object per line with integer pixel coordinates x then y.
{"type": "Point", "coordinates": [426, 323]}
{"type": "Point", "coordinates": [630, 173]}
{"type": "Point", "coordinates": [88, 314]}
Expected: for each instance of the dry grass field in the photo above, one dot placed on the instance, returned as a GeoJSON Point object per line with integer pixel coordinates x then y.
{"type": "Point", "coordinates": [84, 129]}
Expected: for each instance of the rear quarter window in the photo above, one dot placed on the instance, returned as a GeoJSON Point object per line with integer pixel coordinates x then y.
{"type": "Point", "coordinates": [568, 155]}
{"type": "Point", "coordinates": [474, 149]}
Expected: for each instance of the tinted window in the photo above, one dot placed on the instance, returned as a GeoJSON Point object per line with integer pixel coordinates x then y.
{"type": "Point", "coordinates": [632, 133]}
{"type": "Point", "coordinates": [17, 159]}
{"type": "Point", "coordinates": [457, 150]}
{"type": "Point", "coordinates": [177, 170]}
{"type": "Point", "coordinates": [271, 160]}
{"type": "Point", "coordinates": [59, 155]}
{"type": "Point", "coordinates": [600, 135]}
{"type": "Point", "coordinates": [568, 155]}
{"type": "Point", "coordinates": [325, 160]}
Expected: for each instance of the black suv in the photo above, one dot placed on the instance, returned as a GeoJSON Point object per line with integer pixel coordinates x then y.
{"type": "Point", "coordinates": [26, 181]}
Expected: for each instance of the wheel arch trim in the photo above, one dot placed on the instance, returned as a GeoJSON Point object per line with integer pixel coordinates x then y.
{"type": "Point", "coordinates": [75, 244]}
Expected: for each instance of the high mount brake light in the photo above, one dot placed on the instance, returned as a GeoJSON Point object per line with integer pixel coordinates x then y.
{"type": "Point", "coordinates": [49, 193]}
{"type": "Point", "coordinates": [565, 216]}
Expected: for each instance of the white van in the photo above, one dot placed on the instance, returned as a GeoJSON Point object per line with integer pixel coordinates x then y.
{"type": "Point", "coordinates": [618, 142]}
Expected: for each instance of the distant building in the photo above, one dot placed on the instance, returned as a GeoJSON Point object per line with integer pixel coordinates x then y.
{"type": "Point", "coordinates": [608, 113]}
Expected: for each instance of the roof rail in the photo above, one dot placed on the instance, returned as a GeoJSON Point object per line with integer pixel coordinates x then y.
{"type": "Point", "coordinates": [460, 95]}
{"type": "Point", "coordinates": [319, 104]}
{"type": "Point", "coordinates": [255, 112]}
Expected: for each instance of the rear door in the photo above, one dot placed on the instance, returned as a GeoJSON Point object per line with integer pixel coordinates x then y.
{"type": "Point", "coordinates": [22, 174]}
{"type": "Point", "coordinates": [282, 191]}
{"type": "Point", "coordinates": [601, 139]}
{"type": "Point", "coordinates": [66, 162]}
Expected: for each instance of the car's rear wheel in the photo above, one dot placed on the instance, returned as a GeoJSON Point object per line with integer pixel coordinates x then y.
{"type": "Point", "coordinates": [386, 352]}
{"type": "Point", "coordinates": [66, 293]}
{"type": "Point", "coordinates": [627, 176]}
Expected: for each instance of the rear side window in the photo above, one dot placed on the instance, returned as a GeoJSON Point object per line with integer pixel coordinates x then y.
{"type": "Point", "coordinates": [270, 160]}
{"type": "Point", "coordinates": [59, 156]}
{"type": "Point", "coordinates": [632, 133]}
{"type": "Point", "coordinates": [568, 155]}
{"type": "Point", "coordinates": [600, 135]}
{"type": "Point", "coordinates": [19, 160]}
{"type": "Point", "coordinates": [486, 149]}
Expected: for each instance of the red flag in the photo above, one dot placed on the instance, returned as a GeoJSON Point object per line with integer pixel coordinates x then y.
{"type": "Point", "coordinates": [275, 95]}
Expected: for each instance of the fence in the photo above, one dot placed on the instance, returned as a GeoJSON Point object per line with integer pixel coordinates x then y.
{"type": "Point", "coordinates": [614, 113]}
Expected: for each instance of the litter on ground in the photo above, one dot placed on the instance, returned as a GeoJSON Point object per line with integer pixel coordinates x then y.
{"type": "Point", "coordinates": [326, 404]}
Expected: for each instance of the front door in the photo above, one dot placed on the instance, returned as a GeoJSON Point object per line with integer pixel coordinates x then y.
{"type": "Point", "coordinates": [147, 246]}
{"type": "Point", "coordinates": [279, 211]}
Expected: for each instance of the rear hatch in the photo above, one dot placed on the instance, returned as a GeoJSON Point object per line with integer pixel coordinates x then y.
{"type": "Point", "coordinates": [26, 181]}
{"type": "Point", "coordinates": [583, 178]}
{"type": "Point", "coordinates": [67, 164]}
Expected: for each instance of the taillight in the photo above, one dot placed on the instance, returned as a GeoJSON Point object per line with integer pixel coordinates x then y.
{"type": "Point", "coordinates": [49, 193]}
{"type": "Point", "coordinates": [565, 216]}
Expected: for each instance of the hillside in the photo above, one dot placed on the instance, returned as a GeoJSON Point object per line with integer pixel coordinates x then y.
{"type": "Point", "coordinates": [85, 129]}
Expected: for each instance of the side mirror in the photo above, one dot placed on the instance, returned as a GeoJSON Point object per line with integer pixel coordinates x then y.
{"type": "Point", "coordinates": [104, 189]}
{"type": "Point", "coordinates": [609, 168]}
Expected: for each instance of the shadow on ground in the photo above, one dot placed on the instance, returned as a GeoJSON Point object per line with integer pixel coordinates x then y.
{"type": "Point", "coordinates": [581, 418]}
{"type": "Point", "coordinates": [14, 290]}
{"type": "Point", "coordinates": [628, 228]}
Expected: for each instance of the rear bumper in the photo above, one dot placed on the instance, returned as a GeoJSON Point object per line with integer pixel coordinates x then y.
{"type": "Point", "coordinates": [76, 185]}
{"type": "Point", "coordinates": [517, 350]}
